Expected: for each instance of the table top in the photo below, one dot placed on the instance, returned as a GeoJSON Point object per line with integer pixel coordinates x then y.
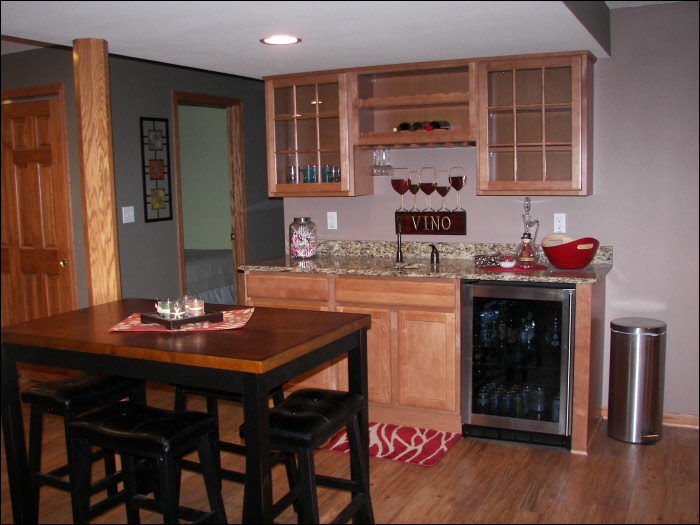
{"type": "Point", "coordinates": [272, 337]}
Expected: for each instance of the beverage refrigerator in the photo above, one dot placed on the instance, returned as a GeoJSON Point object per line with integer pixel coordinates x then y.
{"type": "Point", "coordinates": [517, 361]}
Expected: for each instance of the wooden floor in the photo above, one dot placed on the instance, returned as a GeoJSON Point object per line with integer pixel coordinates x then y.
{"type": "Point", "coordinates": [478, 481]}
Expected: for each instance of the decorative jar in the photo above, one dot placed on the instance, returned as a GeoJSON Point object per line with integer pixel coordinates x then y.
{"type": "Point", "coordinates": [302, 238]}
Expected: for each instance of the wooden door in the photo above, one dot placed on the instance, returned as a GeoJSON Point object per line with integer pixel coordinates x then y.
{"type": "Point", "coordinates": [38, 270]}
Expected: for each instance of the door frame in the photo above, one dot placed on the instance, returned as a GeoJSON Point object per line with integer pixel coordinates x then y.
{"type": "Point", "coordinates": [236, 164]}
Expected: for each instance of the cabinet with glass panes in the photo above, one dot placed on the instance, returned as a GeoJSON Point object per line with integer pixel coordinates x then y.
{"type": "Point", "coordinates": [535, 120]}
{"type": "Point", "coordinates": [307, 138]}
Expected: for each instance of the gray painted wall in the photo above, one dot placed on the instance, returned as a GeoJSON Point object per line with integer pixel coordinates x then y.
{"type": "Point", "coordinates": [148, 251]}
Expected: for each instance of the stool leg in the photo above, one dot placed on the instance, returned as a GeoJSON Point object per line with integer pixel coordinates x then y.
{"type": "Point", "coordinates": [167, 472]}
{"type": "Point", "coordinates": [79, 461]}
{"type": "Point", "coordinates": [130, 484]}
{"type": "Point", "coordinates": [36, 425]}
{"type": "Point", "coordinates": [359, 470]}
{"type": "Point", "coordinates": [307, 479]}
{"type": "Point", "coordinates": [180, 399]}
{"type": "Point", "coordinates": [110, 469]}
{"type": "Point", "coordinates": [212, 480]}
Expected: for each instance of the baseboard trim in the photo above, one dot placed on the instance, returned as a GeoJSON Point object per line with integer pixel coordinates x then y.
{"type": "Point", "coordinates": [670, 419]}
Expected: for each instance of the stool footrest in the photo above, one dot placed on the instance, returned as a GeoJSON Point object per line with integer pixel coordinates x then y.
{"type": "Point", "coordinates": [338, 483]}
{"type": "Point", "coordinates": [185, 513]}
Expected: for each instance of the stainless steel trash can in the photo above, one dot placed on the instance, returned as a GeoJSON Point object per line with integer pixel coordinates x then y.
{"type": "Point", "coordinates": [636, 389]}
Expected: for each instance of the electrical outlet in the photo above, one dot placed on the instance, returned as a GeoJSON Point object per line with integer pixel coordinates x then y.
{"type": "Point", "coordinates": [560, 223]}
{"type": "Point", "coordinates": [127, 214]}
{"type": "Point", "coordinates": [332, 220]}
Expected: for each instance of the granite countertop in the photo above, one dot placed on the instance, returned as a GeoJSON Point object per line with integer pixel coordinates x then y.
{"type": "Point", "coordinates": [378, 258]}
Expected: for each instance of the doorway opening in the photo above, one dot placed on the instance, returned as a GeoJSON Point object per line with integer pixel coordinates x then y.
{"type": "Point", "coordinates": [209, 178]}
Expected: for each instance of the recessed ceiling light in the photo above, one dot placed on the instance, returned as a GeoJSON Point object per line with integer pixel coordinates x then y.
{"type": "Point", "coordinates": [280, 40]}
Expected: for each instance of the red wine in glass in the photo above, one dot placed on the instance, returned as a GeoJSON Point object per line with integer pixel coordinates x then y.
{"type": "Point", "coordinates": [443, 191]}
{"type": "Point", "coordinates": [458, 179]}
{"type": "Point", "coordinates": [414, 188]}
{"type": "Point", "coordinates": [400, 186]}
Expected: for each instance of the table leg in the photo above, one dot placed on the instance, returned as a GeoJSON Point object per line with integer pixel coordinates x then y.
{"type": "Point", "coordinates": [257, 499]}
{"type": "Point", "coordinates": [24, 508]}
{"type": "Point", "coordinates": [358, 384]}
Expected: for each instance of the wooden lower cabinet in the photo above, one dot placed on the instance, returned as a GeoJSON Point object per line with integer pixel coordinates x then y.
{"type": "Point", "coordinates": [427, 359]}
{"type": "Point", "coordinates": [412, 344]}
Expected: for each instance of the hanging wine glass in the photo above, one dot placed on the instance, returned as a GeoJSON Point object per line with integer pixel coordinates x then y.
{"type": "Point", "coordinates": [414, 187]}
{"type": "Point", "coordinates": [458, 178]}
{"type": "Point", "coordinates": [428, 183]}
{"type": "Point", "coordinates": [443, 186]}
{"type": "Point", "coordinates": [399, 181]}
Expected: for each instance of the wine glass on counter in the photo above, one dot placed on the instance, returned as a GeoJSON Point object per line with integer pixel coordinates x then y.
{"type": "Point", "coordinates": [458, 178]}
{"type": "Point", "coordinates": [443, 186]}
{"type": "Point", "coordinates": [428, 183]}
{"type": "Point", "coordinates": [414, 186]}
{"type": "Point", "coordinates": [399, 181]}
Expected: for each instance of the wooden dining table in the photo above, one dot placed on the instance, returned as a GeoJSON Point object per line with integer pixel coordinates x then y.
{"type": "Point", "coordinates": [275, 346]}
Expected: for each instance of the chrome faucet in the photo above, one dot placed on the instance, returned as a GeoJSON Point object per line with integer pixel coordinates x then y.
{"type": "Point", "coordinates": [399, 227]}
{"type": "Point", "coordinates": [434, 255]}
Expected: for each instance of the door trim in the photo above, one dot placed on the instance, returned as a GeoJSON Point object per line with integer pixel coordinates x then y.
{"type": "Point", "coordinates": [236, 164]}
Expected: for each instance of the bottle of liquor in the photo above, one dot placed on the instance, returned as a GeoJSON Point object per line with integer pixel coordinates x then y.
{"type": "Point", "coordinates": [416, 126]}
{"type": "Point", "coordinates": [404, 126]}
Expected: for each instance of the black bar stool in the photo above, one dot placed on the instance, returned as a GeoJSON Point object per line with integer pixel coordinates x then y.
{"type": "Point", "coordinates": [69, 398]}
{"type": "Point", "coordinates": [303, 422]}
{"type": "Point", "coordinates": [134, 430]}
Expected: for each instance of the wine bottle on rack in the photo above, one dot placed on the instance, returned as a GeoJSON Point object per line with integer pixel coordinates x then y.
{"type": "Point", "coordinates": [404, 126]}
{"type": "Point", "coordinates": [416, 126]}
{"type": "Point", "coordinates": [437, 124]}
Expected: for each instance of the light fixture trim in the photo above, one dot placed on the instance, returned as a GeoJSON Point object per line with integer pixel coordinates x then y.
{"type": "Point", "coordinates": [280, 40]}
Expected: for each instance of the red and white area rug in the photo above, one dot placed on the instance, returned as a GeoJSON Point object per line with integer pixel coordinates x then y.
{"type": "Point", "coordinates": [416, 446]}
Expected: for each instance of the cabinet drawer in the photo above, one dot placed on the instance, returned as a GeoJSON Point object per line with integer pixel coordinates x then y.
{"type": "Point", "coordinates": [289, 287]}
{"type": "Point", "coordinates": [428, 293]}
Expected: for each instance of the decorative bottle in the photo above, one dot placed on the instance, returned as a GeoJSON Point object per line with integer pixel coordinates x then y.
{"type": "Point", "coordinates": [302, 238]}
{"type": "Point", "coordinates": [525, 252]}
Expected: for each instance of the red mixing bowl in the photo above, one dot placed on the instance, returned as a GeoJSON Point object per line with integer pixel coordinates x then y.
{"type": "Point", "coordinates": [569, 254]}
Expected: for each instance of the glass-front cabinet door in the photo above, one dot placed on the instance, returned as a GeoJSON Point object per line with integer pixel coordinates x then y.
{"type": "Point", "coordinates": [534, 117]}
{"type": "Point", "coordinates": [307, 140]}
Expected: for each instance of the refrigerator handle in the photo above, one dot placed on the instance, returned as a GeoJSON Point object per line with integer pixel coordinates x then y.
{"type": "Point", "coordinates": [570, 364]}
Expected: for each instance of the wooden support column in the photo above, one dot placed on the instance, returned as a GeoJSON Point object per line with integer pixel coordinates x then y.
{"type": "Point", "coordinates": [94, 117]}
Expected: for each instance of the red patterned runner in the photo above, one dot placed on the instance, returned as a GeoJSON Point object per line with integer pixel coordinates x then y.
{"type": "Point", "coordinates": [233, 319]}
{"type": "Point", "coordinates": [416, 446]}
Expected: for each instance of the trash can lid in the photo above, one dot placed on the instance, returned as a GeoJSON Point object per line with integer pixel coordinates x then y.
{"type": "Point", "coordinates": [638, 326]}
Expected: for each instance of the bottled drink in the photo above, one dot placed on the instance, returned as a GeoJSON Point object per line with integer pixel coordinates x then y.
{"type": "Point", "coordinates": [482, 401]}
{"type": "Point", "coordinates": [416, 126]}
{"type": "Point", "coordinates": [404, 126]}
{"type": "Point", "coordinates": [555, 408]}
{"type": "Point", "coordinates": [531, 329]}
{"type": "Point", "coordinates": [502, 326]}
{"type": "Point", "coordinates": [437, 124]}
{"type": "Point", "coordinates": [524, 331]}
{"type": "Point", "coordinates": [555, 340]}
{"type": "Point", "coordinates": [538, 402]}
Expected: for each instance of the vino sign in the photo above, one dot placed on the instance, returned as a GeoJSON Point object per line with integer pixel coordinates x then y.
{"type": "Point", "coordinates": [431, 222]}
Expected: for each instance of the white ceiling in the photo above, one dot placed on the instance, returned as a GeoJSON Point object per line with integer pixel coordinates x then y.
{"type": "Point", "coordinates": [225, 36]}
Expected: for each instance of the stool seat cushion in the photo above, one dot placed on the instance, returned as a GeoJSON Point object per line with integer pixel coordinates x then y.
{"type": "Point", "coordinates": [78, 394]}
{"type": "Point", "coordinates": [142, 430]}
{"type": "Point", "coordinates": [309, 417]}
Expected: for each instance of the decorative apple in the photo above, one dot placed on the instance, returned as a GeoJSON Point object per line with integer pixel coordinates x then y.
{"type": "Point", "coordinates": [507, 261]}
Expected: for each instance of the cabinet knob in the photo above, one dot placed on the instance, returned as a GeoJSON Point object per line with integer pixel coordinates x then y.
{"type": "Point", "coordinates": [63, 263]}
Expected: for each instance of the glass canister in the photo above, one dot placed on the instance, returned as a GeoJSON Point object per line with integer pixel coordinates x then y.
{"type": "Point", "coordinates": [302, 238]}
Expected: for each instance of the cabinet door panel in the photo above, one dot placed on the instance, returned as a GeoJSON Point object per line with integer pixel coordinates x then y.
{"type": "Point", "coordinates": [427, 359]}
{"type": "Point", "coordinates": [378, 354]}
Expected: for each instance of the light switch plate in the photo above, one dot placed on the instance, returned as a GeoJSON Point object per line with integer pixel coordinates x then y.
{"type": "Point", "coordinates": [127, 214]}
{"type": "Point", "coordinates": [332, 220]}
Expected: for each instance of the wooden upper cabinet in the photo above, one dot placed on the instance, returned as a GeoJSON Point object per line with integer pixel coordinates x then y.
{"type": "Point", "coordinates": [535, 120]}
{"type": "Point", "coordinates": [307, 137]}
{"type": "Point", "coordinates": [388, 96]}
